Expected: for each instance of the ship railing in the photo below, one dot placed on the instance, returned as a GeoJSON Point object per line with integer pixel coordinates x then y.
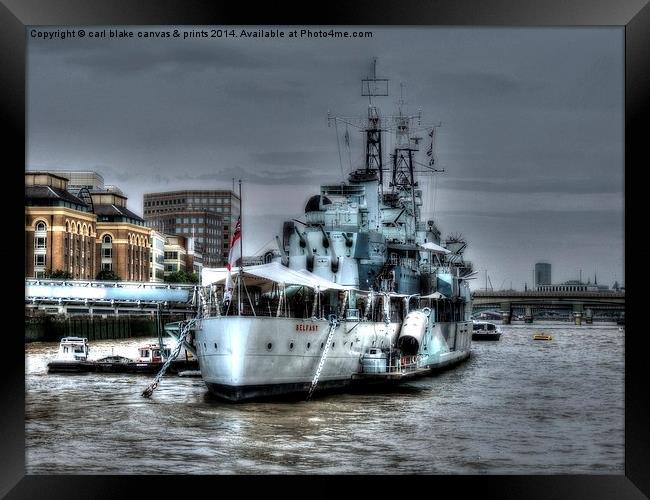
{"type": "Point", "coordinates": [403, 364]}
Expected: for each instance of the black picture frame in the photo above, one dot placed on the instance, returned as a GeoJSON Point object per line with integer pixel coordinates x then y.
{"type": "Point", "coordinates": [633, 15]}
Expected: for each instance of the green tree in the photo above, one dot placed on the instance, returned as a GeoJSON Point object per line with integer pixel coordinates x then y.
{"type": "Point", "coordinates": [60, 274]}
{"type": "Point", "coordinates": [182, 277]}
{"type": "Point", "coordinates": [106, 275]}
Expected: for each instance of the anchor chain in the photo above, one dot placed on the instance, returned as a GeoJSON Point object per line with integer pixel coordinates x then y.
{"type": "Point", "coordinates": [334, 323]}
{"type": "Point", "coordinates": [181, 338]}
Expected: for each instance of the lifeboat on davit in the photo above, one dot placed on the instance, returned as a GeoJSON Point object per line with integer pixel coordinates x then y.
{"type": "Point", "coordinates": [412, 333]}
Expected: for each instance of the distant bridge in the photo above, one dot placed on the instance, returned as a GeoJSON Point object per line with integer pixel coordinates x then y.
{"type": "Point", "coordinates": [534, 302]}
{"type": "Point", "coordinates": [108, 297]}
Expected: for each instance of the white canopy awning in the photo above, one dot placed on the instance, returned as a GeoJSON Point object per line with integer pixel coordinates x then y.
{"type": "Point", "coordinates": [265, 274]}
{"type": "Point", "coordinates": [434, 295]}
{"type": "Point", "coordinates": [432, 247]}
{"type": "Point", "coordinates": [211, 275]}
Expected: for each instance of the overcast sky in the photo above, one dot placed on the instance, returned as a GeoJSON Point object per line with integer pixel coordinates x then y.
{"type": "Point", "coordinates": [531, 139]}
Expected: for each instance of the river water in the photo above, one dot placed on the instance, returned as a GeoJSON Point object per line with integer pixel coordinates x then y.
{"type": "Point", "coordinates": [517, 406]}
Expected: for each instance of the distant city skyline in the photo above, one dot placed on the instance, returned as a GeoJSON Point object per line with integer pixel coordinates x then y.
{"type": "Point", "coordinates": [531, 138]}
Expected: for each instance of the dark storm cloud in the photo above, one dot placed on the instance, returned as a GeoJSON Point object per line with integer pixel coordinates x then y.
{"type": "Point", "coordinates": [106, 58]}
{"type": "Point", "coordinates": [265, 90]}
{"type": "Point", "coordinates": [293, 158]}
{"type": "Point", "coordinates": [536, 185]}
{"type": "Point", "coordinates": [476, 84]}
{"type": "Point", "coordinates": [259, 175]}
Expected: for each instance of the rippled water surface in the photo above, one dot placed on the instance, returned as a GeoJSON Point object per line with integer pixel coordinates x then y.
{"type": "Point", "coordinates": [517, 406]}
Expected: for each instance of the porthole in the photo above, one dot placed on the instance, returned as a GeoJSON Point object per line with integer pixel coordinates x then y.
{"type": "Point", "coordinates": [204, 346]}
{"type": "Point", "coordinates": [333, 344]}
{"type": "Point", "coordinates": [308, 345]}
{"type": "Point", "coordinates": [216, 346]}
{"type": "Point", "coordinates": [322, 344]}
{"type": "Point", "coordinates": [291, 346]}
{"type": "Point", "coordinates": [269, 346]}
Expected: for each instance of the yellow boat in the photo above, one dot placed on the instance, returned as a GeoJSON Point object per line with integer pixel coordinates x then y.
{"type": "Point", "coordinates": [542, 336]}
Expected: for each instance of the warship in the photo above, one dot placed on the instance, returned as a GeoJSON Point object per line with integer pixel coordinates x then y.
{"type": "Point", "coordinates": [362, 291]}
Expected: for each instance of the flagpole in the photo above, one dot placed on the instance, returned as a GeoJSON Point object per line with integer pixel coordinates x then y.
{"type": "Point", "coordinates": [241, 251]}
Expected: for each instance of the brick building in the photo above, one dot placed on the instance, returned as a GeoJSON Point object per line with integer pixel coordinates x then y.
{"type": "Point", "coordinates": [60, 229]}
{"type": "Point", "coordinates": [64, 233]}
{"type": "Point", "coordinates": [123, 241]}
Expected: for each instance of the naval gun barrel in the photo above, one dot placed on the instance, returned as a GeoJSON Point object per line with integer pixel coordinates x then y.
{"type": "Point", "coordinates": [334, 262]}
{"type": "Point", "coordinates": [304, 243]}
{"type": "Point", "coordinates": [326, 240]}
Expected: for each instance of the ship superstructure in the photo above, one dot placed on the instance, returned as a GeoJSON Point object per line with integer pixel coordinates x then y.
{"type": "Point", "coordinates": [365, 290]}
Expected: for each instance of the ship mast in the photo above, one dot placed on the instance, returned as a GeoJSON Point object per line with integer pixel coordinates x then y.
{"type": "Point", "coordinates": [403, 181]}
{"type": "Point", "coordinates": [374, 87]}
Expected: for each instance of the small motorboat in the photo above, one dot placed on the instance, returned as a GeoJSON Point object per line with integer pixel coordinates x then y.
{"type": "Point", "coordinates": [542, 336]}
{"type": "Point", "coordinates": [71, 357]}
{"type": "Point", "coordinates": [485, 330]}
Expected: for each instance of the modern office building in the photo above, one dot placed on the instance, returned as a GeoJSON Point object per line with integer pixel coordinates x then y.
{"type": "Point", "coordinates": [542, 274]}
{"type": "Point", "coordinates": [157, 257]}
{"type": "Point", "coordinates": [208, 216]}
{"type": "Point", "coordinates": [79, 179]}
{"type": "Point", "coordinates": [194, 257]}
{"type": "Point", "coordinates": [175, 254]}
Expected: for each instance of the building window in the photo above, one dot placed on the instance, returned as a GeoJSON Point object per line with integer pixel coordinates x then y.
{"type": "Point", "coordinates": [107, 252]}
{"type": "Point", "coordinates": [39, 242]}
{"type": "Point", "coordinates": [40, 226]}
{"type": "Point", "coordinates": [39, 260]}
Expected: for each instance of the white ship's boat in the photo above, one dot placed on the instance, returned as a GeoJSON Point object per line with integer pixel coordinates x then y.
{"type": "Point", "coordinates": [486, 330]}
{"type": "Point", "coordinates": [73, 349]}
{"type": "Point", "coordinates": [72, 355]}
{"type": "Point", "coordinates": [363, 291]}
